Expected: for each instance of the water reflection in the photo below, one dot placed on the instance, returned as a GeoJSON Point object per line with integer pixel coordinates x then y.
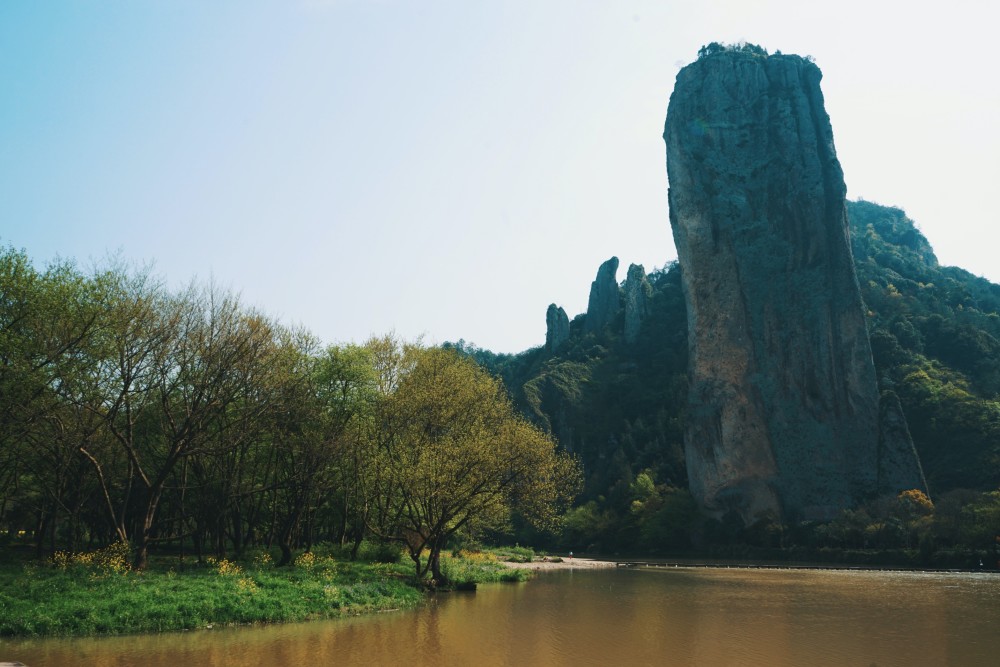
{"type": "Point", "coordinates": [644, 617]}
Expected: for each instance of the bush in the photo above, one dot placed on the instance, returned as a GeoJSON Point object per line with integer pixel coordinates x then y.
{"type": "Point", "coordinates": [380, 552]}
{"type": "Point", "coordinates": [519, 554]}
{"type": "Point", "coordinates": [112, 559]}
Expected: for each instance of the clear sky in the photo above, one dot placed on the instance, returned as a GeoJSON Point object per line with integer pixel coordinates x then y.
{"type": "Point", "coordinates": [447, 168]}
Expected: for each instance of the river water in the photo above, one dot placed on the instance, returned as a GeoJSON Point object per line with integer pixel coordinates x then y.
{"type": "Point", "coordinates": [682, 616]}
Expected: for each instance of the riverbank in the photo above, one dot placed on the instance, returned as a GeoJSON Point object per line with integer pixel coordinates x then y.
{"type": "Point", "coordinates": [51, 601]}
{"type": "Point", "coordinates": [96, 594]}
{"type": "Point", "coordinates": [546, 564]}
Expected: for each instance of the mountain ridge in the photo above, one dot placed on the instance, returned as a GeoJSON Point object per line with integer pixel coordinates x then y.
{"type": "Point", "coordinates": [935, 337]}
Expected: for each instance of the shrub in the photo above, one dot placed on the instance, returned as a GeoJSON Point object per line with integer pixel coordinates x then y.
{"type": "Point", "coordinates": [306, 560]}
{"type": "Point", "coordinates": [228, 568]}
{"type": "Point", "coordinates": [380, 552]}
{"type": "Point", "coordinates": [112, 559]}
{"type": "Point", "coordinates": [518, 554]}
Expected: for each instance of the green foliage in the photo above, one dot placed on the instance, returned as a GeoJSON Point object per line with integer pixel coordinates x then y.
{"type": "Point", "coordinates": [479, 567]}
{"type": "Point", "coordinates": [936, 342]}
{"type": "Point", "coordinates": [111, 560]}
{"type": "Point", "coordinates": [518, 554]}
{"type": "Point", "coordinates": [57, 601]}
{"type": "Point", "coordinates": [380, 552]}
{"type": "Point", "coordinates": [935, 335]}
{"type": "Point", "coordinates": [132, 413]}
{"type": "Point", "coordinates": [135, 415]}
{"type": "Point", "coordinates": [606, 401]}
{"type": "Point", "coordinates": [449, 453]}
{"type": "Point", "coordinates": [587, 527]}
{"type": "Point", "coordinates": [745, 48]}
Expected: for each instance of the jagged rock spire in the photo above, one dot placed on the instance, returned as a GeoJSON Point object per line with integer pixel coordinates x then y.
{"type": "Point", "coordinates": [556, 327]}
{"type": "Point", "coordinates": [637, 291]}
{"type": "Point", "coordinates": [605, 297]}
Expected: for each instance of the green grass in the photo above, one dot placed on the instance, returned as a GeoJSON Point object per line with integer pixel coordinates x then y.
{"type": "Point", "coordinates": [480, 567]}
{"type": "Point", "coordinates": [79, 600]}
{"type": "Point", "coordinates": [74, 598]}
{"type": "Point", "coordinates": [516, 554]}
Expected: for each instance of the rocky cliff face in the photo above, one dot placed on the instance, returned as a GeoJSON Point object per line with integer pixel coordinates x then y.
{"type": "Point", "coordinates": [556, 327]}
{"type": "Point", "coordinates": [636, 294]}
{"type": "Point", "coordinates": [783, 405]}
{"type": "Point", "coordinates": [605, 297]}
{"type": "Point", "coordinates": [899, 466]}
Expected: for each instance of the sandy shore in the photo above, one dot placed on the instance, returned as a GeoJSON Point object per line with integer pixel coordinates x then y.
{"type": "Point", "coordinates": [566, 564]}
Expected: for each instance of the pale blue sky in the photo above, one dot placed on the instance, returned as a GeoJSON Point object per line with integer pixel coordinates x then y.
{"type": "Point", "coordinates": [447, 168]}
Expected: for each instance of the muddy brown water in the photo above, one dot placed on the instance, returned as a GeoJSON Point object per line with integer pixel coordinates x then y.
{"type": "Point", "coordinates": [611, 617]}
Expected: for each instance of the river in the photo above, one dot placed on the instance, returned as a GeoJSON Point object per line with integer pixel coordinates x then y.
{"type": "Point", "coordinates": [682, 616]}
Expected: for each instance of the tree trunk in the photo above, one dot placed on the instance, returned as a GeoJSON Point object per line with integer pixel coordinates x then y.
{"type": "Point", "coordinates": [220, 539]}
{"type": "Point", "coordinates": [415, 557]}
{"type": "Point", "coordinates": [145, 535]}
{"type": "Point", "coordinates": [237, 523]}
{"type": "Point", "coordinates": [41, 528]}
{"type": "Point", "coordinates": [435, 564]}
{"type": "Point", "coordinates": [358, 538]}
{"type": "Point", "coordinates": [342, 528]}
{"type": "Point", "coordinates": [141, 555]}
{"type": "Point", "coordinates": [199, 542]}
{"type": "Point", "coordinates": [285, 537]}
{"type": "Point", "coordinates": [53, 526]}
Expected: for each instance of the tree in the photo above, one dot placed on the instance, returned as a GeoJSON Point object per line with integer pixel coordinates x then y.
{"type": "Point", "coordinates": [214, 359]}
{"type": "Point", "coordinates": [46, 319]}
{"type": "Point", "coordinates": [137, 327]}
{"type": "Point", "coordinates": [451, 454]}
{"type": "Point", "coordinates": [169, 378]}
{"type": "Point", "coordinates": [346, 388]}
{"type": "Point", "coordinates": [317, 461]}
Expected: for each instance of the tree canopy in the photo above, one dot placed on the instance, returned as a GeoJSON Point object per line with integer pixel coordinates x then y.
{"type": "Point", "coordinates": [451, 453]}
{"type": "Point", "coordinates": [134, 414]}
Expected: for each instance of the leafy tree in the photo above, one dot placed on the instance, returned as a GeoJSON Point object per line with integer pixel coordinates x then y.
{"type": "Point", "coordinates": [46, 319]}
{"type": "Point", "coordinates": [983, 520]}
{"type": "Point", "coordinates": [320, 460]}
{"type": "Point", "coordinates": [451, 454]}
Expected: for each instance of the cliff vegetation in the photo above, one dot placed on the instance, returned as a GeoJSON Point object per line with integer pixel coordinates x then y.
{"type": "Point", "coordinates": [620, 407]}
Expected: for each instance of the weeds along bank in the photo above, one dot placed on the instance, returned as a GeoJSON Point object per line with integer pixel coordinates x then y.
{"type": "Point", "coordinates": [96, 593]}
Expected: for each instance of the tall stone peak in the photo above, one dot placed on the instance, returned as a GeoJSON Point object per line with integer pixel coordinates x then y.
{"type": "Point", "coordinates": [556, 327]}
{"type": "Point", "coordinates": [636, 293]}
{"type": "Point", "coordinates": [605, 297]}
{"type": "Point", "coordinates": [783, 413]}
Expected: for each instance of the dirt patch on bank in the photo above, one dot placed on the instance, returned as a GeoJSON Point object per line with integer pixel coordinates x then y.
{"type": "Point", "coordinates": [563, 564]}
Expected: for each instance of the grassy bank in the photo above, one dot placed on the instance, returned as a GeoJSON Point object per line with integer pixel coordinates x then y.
{"type": "Point", "coordinates": [92, 594]}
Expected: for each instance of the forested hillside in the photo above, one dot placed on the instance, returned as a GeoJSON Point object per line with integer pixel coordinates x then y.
{"type": "Point", "coordinates": [187, 421]}
{"type": "Point", "coordinates": [935, 334]}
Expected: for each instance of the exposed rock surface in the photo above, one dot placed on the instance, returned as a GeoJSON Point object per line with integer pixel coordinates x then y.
{"type": "Point", "coordinates": [898, 462]}
{"type": "Point", "coordinates": [783, 406]}
{"type": "Point", "coordinates": [637, 292]}
{"type": "Point", "coordinates": [605, 297]}
{"type": "Point", "coordinates": [556, 327]}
